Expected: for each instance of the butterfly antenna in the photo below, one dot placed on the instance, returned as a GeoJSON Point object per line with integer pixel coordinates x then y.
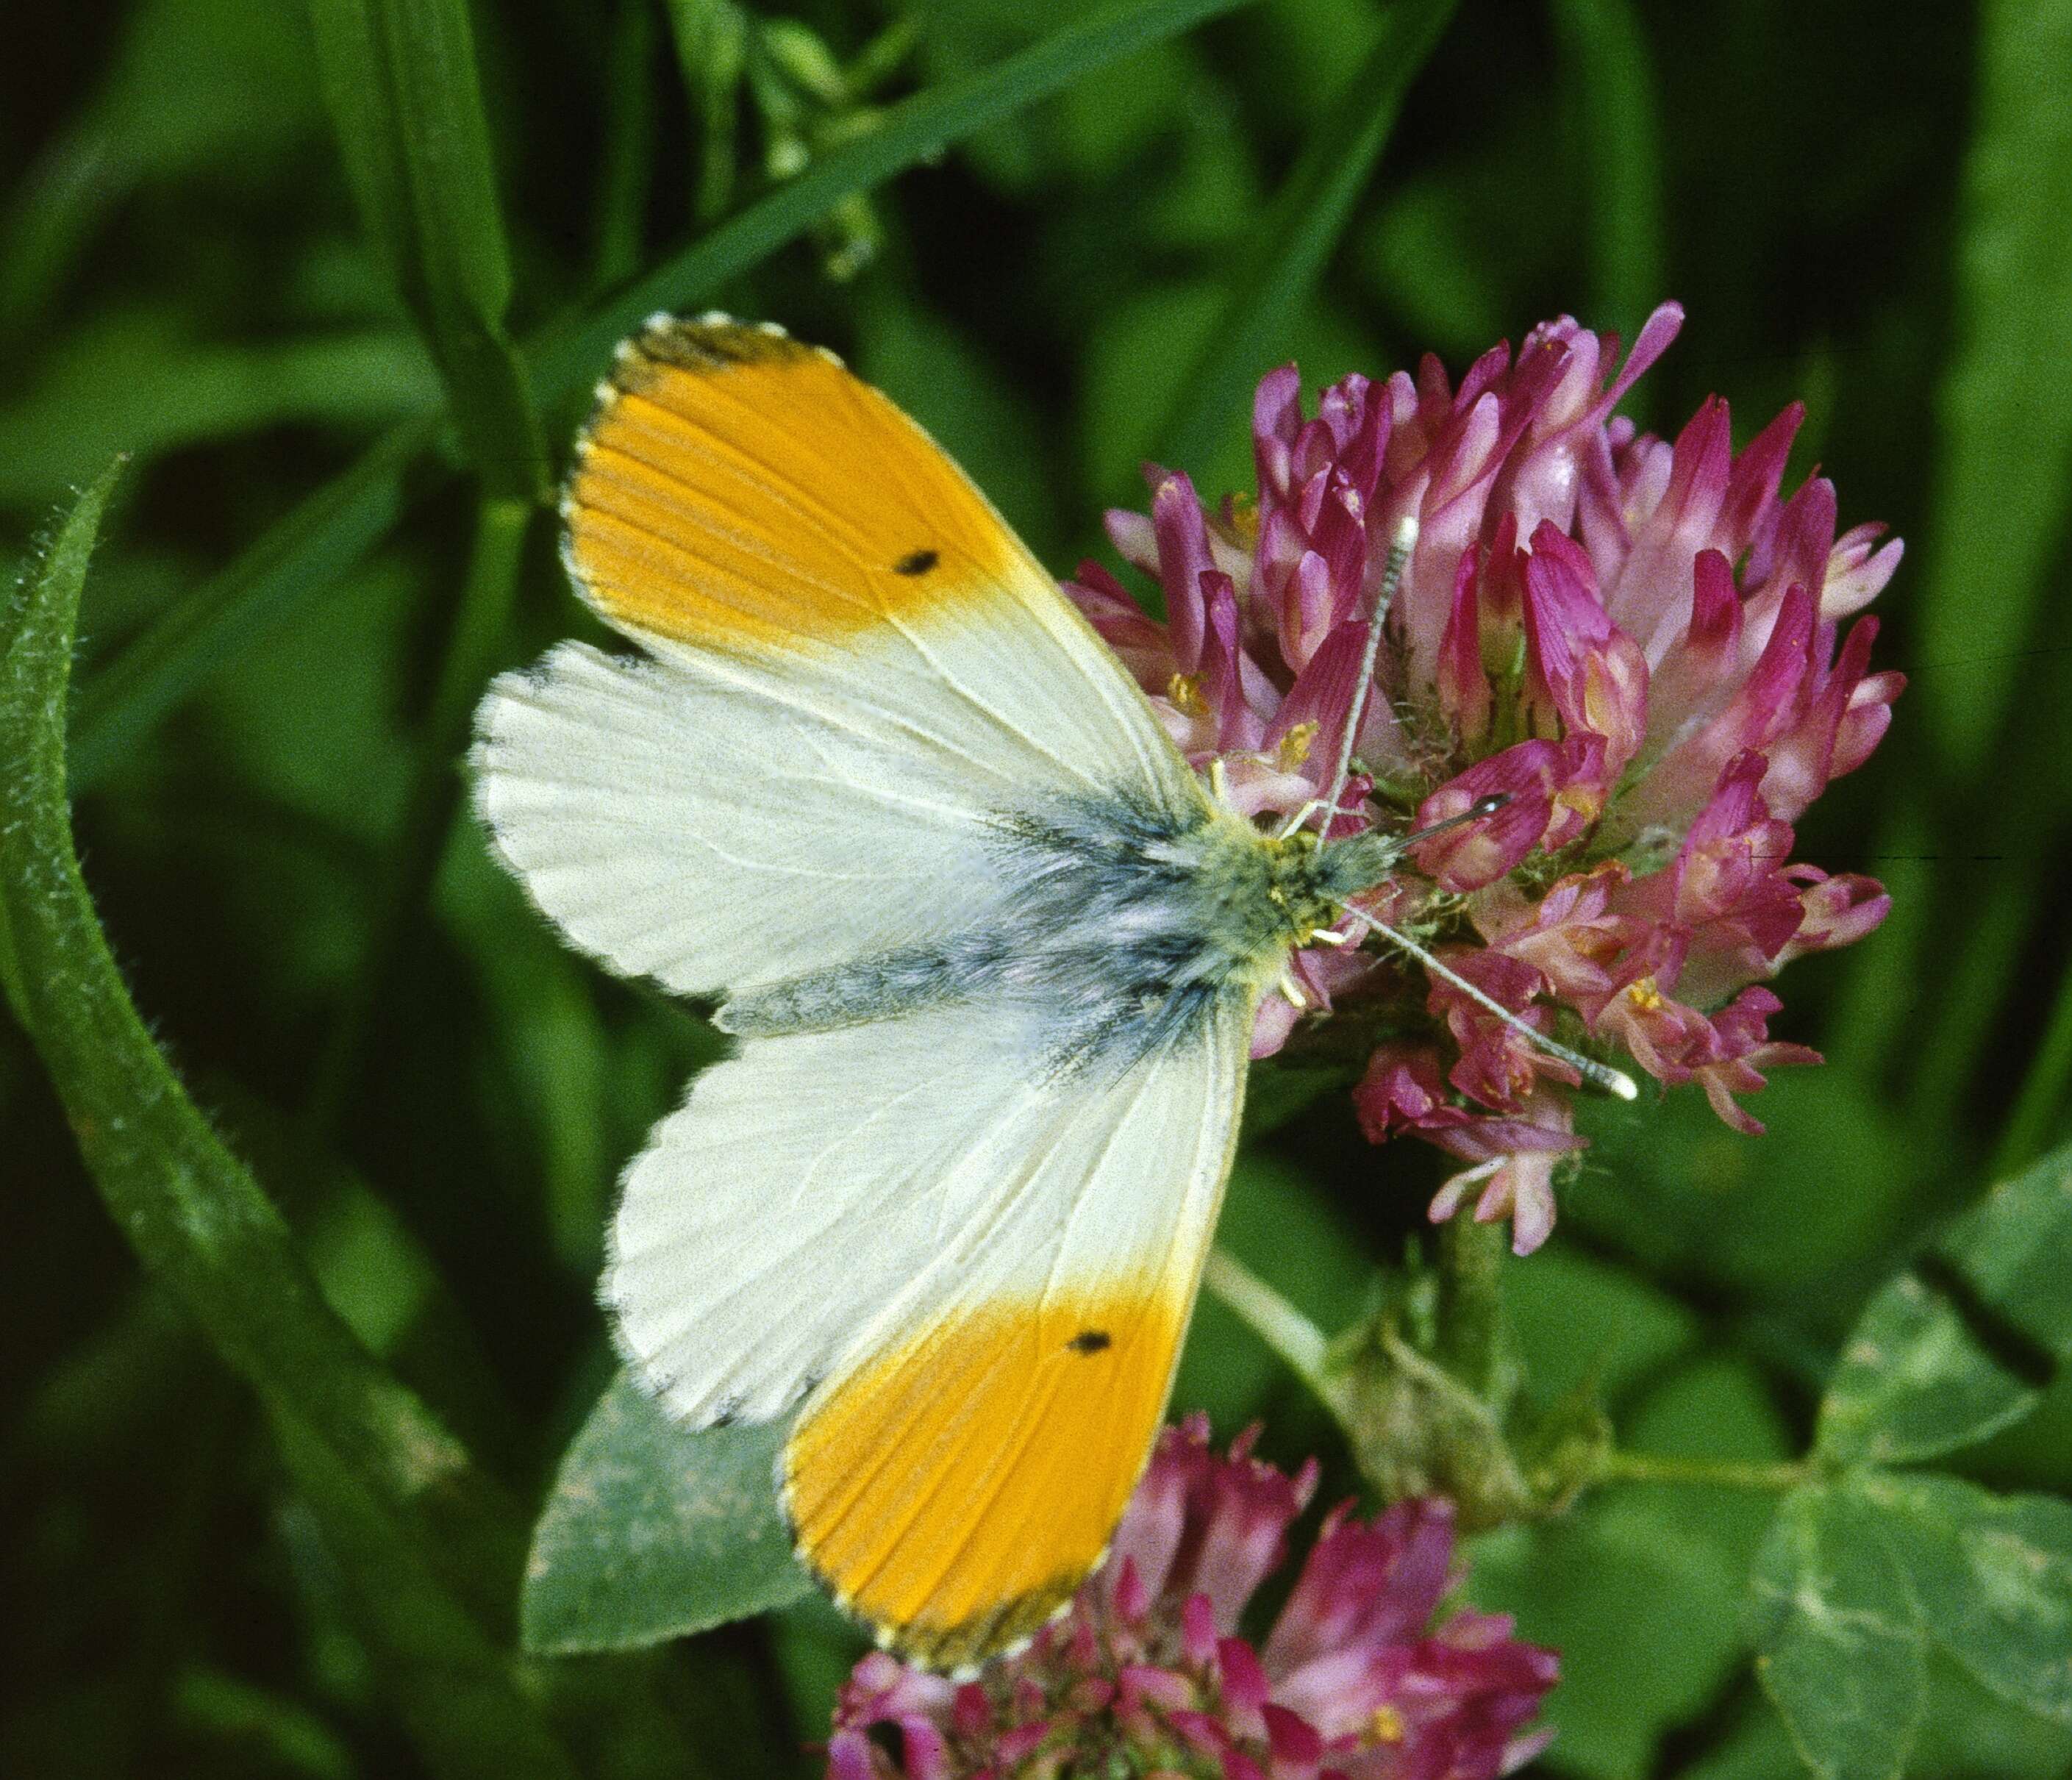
{"type": "Point", "coordinates": [1597, 1074]}
{"type": "Point", "coordinates": [1399, 548]}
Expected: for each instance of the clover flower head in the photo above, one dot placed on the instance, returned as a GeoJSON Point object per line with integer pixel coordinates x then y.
{"type": "Point", "coordinates": [1363, 1674]}
{"type": "Point", "coordinates": [1647, 646]}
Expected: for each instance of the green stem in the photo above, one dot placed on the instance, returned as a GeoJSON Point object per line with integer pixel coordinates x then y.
{"type": "Point", "coordinates": [311, 548]}
{"type": "Point", "coordinates": [1605, 62]}
{"type": "Point", "coordinates": [1472, 1342]}
{"type": "Point", "coordinates": [1716, 1474]}
{"type": "Point", "coordinates": [1291, 1335]}
{"type": "Point", "coordinates": [479, 625]}
{"type": "Point", "coordinates": [195, 1215]}
{"type": "Point", "coordinates": [2042, 1095]}
{"type": "Point", "coordinates": [625, 167]}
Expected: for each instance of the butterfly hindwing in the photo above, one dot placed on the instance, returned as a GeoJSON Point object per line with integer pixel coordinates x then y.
{"type": "Point", "coordinates": [962, 1473]}
{"type": "Point", "coordinates": [976, 1266]}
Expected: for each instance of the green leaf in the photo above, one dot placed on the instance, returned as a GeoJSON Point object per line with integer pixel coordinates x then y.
{"type": "Point", "coordinates": [653, 1532]}
{"type": "Point", "coordinates": [1670, 1617]}
{"type": "Point", "coordinates": [1915, 1382]}
{"type": "Point", "coordinates": [711, 37]}
{"type": "Point", "coordinates": [471, 652]}
{"type": "Point", "coordinates": [1959, 1346]}
{"type": "Point", "coordinates": [1277, 269]}
{"type": "Point", "coordinates": [2004, 467]}
{"type": "Point", "coordinates": [134, 381]}
{"type": "Point", "coordinates": [331, 529]}
{"type": "Point", "coordinates": [399, 77]}
{"type": "Point", "coordinates": [1838, 1642]}
{"type": "Point", "coordinates": [1672, 1186]}
{"type": "Point", "coordinates": [914, 130]}
{"type": "Point", "coordinates": [1993, 1574]}
{"type": "Point", "coordinates": [2012, 1249]}
{"type": "Point", "coordinates": [1679, 1556]}
{"type": "Point", "coordinates": [1586, 1323]}
{"type": "Point", "coordinates": [2037, 1107]}
{"type": "Point", "coordinates": [190, 89]}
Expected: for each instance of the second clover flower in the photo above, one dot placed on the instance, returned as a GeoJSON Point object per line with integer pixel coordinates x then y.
{"type": "Point", "coordinates": [1648, 648]}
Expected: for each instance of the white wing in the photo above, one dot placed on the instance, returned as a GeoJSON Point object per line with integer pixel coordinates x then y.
{"type": "Point", "coordinates": [981, 1268]}
{"type": "Point", "coordinates": [806, 770]}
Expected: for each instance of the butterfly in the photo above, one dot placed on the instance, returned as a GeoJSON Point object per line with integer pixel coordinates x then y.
{"type": "Point", "coordinates": [990, 949]}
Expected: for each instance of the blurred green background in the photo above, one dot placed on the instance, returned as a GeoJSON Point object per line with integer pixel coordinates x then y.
{"type": "Point", "coordinates": [304, 588]}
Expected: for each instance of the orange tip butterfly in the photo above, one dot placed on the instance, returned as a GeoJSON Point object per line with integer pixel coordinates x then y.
{"type": "Point", "coordinates": [990, 949]}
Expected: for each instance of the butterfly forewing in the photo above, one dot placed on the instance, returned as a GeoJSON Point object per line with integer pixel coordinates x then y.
{"type": "Point", "coordinates": [809, 764]}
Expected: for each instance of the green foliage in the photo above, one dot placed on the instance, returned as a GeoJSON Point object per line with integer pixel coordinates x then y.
{"type": "Point", "coordinates": [329, 531]}
{"type": "Point", "coordinates": [399, 76]}
{"type": "Point", "coordinates": [1993, 1576]}
{"type": "Point", "coordinates": [653, 1533]}
{"type": "Point", "coordinates": [2003, 506]}
{"type": "Point", "coordinates": [1610, 81]}
{"type": "Point", "coordinates": [1867, 1569]}
{"type": "Point", "coordinates": [1274, 273]}
{"type": "Point", "coordinates": [1996, 513]}
{"type": "Point", "coordinates": [1958, 1347]}
{"type": "Point", "coordinates": [1839, 1637]}
{"type": "Point", "coordinates": [276, 1446]}
{"type": "Point", "coordinates": [423, 1542]}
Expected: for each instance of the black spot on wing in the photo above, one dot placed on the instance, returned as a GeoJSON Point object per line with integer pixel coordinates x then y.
{"type": "Point", "coordinates": [916, 562]}
{"type": "Point", "coordinates": [1091, 1340]}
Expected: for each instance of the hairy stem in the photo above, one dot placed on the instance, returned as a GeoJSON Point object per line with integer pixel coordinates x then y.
{"type": "Point", "coordinates": [1472, 1343]}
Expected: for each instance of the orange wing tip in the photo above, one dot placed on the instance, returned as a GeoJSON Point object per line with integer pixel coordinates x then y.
{"type": "Point", "coordinates": [961, 1651]}
{"type": "Point", "coordinates": [708, 344]}
{"type": "Point", "coordinates": [712, 342]}
{"type": "Point", "coordinates": [954, 1490]}
{"type": "Point", "coordinates": [737, 490]}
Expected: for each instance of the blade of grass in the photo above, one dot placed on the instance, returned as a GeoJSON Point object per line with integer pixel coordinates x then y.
{"type": "Point", "coordinates": [1999, 503]}
{"type": "Point", "coordinates": [1610, 82]}
{"type": "Point", "coordinates": [316, 543]}
{"type": "Point", "coordinates": [434, 1545]}
{"type": "Point", "coordinates": [2039, 1107]}
{"type": "Point", "coordinates": [2004, 475]}
{"type": "Point", "coordinates": [625, 167]}
{"type": "Point", "coordinates": [479, 626]}
{"type": "Point", "coordinates": [331, 529]}
{"type": "Point", "coordinates": [1288, 254]}
{"type": "Point", "coordinates": [711, 38]}
{"type": "Point", "coordinates": [399, 79]}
